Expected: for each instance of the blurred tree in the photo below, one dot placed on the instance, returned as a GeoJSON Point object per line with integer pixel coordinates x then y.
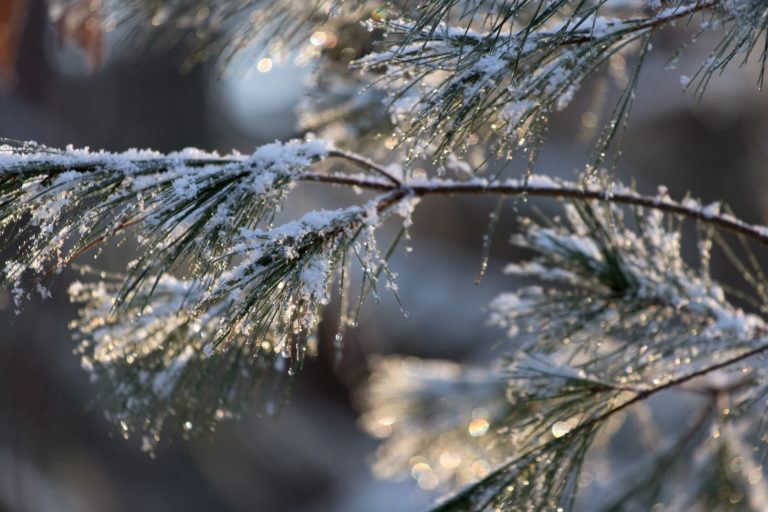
{"type": "Point", "coordinates": [219, 308]}
{"type": "Point", "coordinates": [12, 14]}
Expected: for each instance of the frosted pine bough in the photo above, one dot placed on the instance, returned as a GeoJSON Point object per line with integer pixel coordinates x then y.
{"type": "Point", "coordinates": [219, 309]}
{"type": "Point", "coordinates": [251, 297]}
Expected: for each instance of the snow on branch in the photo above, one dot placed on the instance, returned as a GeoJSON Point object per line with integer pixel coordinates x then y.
{"type": "Point", "coordinates": [185, 207]}
{"type": "Point", "coordinates": [254, 290]}
{"type": "Point", "coordinates": [616, 316]}
{"type": "Point", "coordinates": [620, 302]}
{"type": "Point", "coordinates": [511, 72]}
{"type": "Point", "coordinates": [618, 313]}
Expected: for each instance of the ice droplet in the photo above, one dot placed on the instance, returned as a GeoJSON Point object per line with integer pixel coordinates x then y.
{"type": "Point", "coordinates": [337, 345]}
{"type": "Point", "coordinates": [561, 428]}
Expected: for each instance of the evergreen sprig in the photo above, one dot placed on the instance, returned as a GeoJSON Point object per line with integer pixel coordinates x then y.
{"type": "Point", "coordinates": [503, 77]}
{"type": "Point", "coordinates": [187, 209]}
{"type": "Point", "coordinates": [623, 317]}
{"type": "Point", "coordinates": [250, 300]}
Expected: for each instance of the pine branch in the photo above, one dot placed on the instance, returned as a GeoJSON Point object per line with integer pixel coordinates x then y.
{"type": "Point", "coordinates": [501, 486]}
{"type": "Point", "coordinates": [448, 84]}
{"type": "Point", "coordinates": [219, 307]}
{"type": "Point", "coordinates": [543, 186]}
{"type": "Point", "coordinates": [270, 284]}
{"type": "Point", "coordinates": [627, 319]}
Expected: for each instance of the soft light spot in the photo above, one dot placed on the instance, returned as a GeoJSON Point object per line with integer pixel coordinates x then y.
{"type": "Point", "coordinates": [381, 427]}
{"type": "Point", "coordinates": [480, 468]}
{"type": "Point", "coordinates": [201, 15]}
{"type": "Point", "coordinates": [561, 428]}
{"type": "Point", "coordinates": [146, 445]}
{"type": "Point", "coordinates": [160, 17]}
{"type": "Point", "coordinates": [589, 120]}
{"type": "Point", "coordinates": [585, 479]}
{"type": "Point", "coordinates": [450, 459]}
{"type": "Point", "coordinates": [264, 65]}
{"type": "Point", "coordinates": [478, 427]}
{"type": "Point", "coordinates": [385, 419]}
{"type": "Point", "coordinates": [319, 38]}
{"type": "Point", "coordinates": [428, 481]}
{"type": "Point", "coordinates": [617, 62]}
{"type": "Point", "coordinates": [420, 472]}
{"type": "Point", "coordinates": [188, 425]}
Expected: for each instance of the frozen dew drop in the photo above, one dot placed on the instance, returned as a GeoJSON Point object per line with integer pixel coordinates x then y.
{"type": "Point", "coordinates": [561, 428]}
{"type": "Point", "coordinates": [337, 345]}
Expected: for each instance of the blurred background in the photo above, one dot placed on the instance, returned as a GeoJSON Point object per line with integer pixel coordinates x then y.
{"type": "Point", "coordinates": [57, 452]}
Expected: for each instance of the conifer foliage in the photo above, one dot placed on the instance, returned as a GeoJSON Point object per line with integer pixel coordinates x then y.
{"type": "Point", "coordinates": [218, 311]}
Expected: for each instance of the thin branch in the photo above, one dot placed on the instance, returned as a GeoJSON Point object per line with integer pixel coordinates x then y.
{"type": "Point", "coordinates": [348, 181]}
{"type": "Point", "coordinates": [643, 395]}
{"type": "Point", "coordinates": [533, 187]}
{"type": "Point", "coordinates": [90, 245]}
{"type": "Point", "coordinates": [650, 23]}
{"type": "Point", "coordinates": [563, 191]}
{"type": "Point", "coordinates": [365, 163]}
